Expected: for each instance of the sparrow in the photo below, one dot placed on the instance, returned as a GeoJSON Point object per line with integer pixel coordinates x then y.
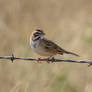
{"type": "Point", "coordinates": [45, 47]}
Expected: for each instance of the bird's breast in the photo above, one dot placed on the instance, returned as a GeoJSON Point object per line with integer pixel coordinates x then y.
{"type": "Point", "coordinates": [39, 49]}
{"type": "Point", "coordinates": [34, 44]}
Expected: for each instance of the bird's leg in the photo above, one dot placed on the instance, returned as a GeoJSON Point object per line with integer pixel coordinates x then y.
{"type": "Point", "coordinates": [50, 57]}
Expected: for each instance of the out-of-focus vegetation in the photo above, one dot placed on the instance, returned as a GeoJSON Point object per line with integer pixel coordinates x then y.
{"type": "Point", "coordinates": [66, 22]}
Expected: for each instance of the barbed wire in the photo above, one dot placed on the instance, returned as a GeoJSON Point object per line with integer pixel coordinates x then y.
{"type": "Point", "coordinates": [12, 58]}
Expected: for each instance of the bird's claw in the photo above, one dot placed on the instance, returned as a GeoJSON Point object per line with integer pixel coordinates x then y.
{"type": "Point", "coordinates": [38, 60]}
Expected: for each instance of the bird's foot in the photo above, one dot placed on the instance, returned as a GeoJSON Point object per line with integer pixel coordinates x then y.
{"type": "Point", "coordinates": [38, 60]}
{"type": "Point", "coordinates": [50, 58]}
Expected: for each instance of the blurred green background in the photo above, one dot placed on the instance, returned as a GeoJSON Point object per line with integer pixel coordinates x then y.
{"type": "Point", "coordinates": [66, 22]}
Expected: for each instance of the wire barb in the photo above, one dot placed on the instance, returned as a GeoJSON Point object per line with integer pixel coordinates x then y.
{"type": "Point", "coordinates": [12, 58]}
{"type": "Point", "coordinates": [53, 59]}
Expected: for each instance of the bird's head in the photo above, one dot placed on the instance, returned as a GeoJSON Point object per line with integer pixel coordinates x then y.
{"type": "Point", "coordinates": [37, 34]}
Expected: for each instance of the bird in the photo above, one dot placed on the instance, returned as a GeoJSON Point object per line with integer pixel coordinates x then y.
{"type": "Point", "coordinates": [44, 47]}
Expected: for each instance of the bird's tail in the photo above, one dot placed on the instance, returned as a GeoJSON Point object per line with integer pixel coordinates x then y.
{"type": "Point", "coordinates": [67, 52]}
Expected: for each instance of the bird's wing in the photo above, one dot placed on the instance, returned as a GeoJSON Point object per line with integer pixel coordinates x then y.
{"type": "Point", "coordinates": [54, 48]}
{"type": "Point", "coordinates": [51, 46]}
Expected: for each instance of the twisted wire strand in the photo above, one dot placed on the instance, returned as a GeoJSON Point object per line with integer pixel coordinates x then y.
{"type": "Point", "coordinates": [12, 58]}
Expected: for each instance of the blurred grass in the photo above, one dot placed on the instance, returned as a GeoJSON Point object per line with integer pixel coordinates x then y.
{"type": "Point", "coordinates": [66, 22]}
{"type": "Point", "coordinates": [61, 84]}
{"type": "Point", "coordinates": [87, 36]}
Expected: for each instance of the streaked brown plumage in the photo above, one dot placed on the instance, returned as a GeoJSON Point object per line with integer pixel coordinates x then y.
{"type": "Point", "coordinates": [48, 45]}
